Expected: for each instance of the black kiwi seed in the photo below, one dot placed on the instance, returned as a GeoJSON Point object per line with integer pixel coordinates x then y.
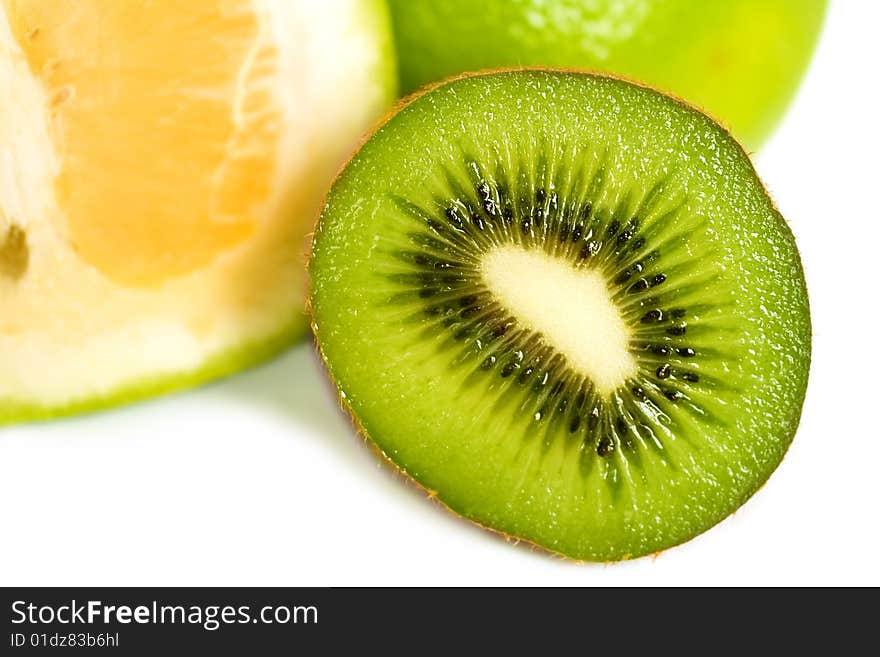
{"type": "Point", "coordinates": [677, 330]}
{"type": "Point", "coordinates": [590, 249]}
{"type": "Point", "coordinates": [538, 217]}
{"type": "Point", "coordinates": [687, 352]}
{"type": "Point", "coordinates": [524, 374]}
{"type": "Point", "coordinates": [627, 274]}
{"type": "Point", "coordinates": [660, 350]}
{"type": "Point", "coordinates": [541, 381]}
{"type": "Point", "coordinates": [454, 218]}
{"type": "Point", "coordinates": [500, 330]}
{"type": "Point", "coordinates": [638, 286]}
{"type": "Point", "coordinates": [672, 395]}
{"type": "Point", "coordinates": [653, 316]}
{"type": "Point", "coordinates": [488, 203]}
{"type": "Point", "coordinates": [490, 208]}
{"type": "Point", "coordinates": [663, 371]}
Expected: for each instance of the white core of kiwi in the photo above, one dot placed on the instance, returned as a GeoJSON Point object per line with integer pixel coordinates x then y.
{"type": "Point", "coordinates": [570, 307]}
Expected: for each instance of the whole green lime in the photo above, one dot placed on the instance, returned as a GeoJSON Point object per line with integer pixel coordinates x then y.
{"type": "Point", "coordinates": [738, 60]}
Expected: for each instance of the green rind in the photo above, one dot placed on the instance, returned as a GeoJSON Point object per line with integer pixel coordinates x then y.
{"type": "Point", "coordinates": [221, 365]}
{"type": "Point", "coordinates": [365, 389]}
{"type": "Point", "coordinates": [740, 61]}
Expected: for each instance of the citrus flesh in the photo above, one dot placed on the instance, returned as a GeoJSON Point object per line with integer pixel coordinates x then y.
{"type": "Point", "coordinates": [162, 164]}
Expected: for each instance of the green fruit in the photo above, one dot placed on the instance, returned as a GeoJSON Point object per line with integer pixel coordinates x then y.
{"type": "Point", "coordinates": [740, 61]}
{"type": "Point", "coordinates": [156, 190]}
{"type": "Point", "coordinates": [566, 305]}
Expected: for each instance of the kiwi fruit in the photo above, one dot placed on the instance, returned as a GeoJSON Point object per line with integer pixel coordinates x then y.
{"type": "Point", "coordinates": [565, 305]}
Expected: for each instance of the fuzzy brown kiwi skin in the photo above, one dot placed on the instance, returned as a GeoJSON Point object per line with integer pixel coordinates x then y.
{"type": "Point", "coordinates": [349, 412]}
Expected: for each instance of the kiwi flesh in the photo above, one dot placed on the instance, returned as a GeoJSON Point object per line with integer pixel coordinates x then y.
{"type": "Point", "coordinates": [565, 304]}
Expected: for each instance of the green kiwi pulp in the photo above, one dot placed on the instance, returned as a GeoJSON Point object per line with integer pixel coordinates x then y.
{"type": "Point", "coordinates": [564, 304]}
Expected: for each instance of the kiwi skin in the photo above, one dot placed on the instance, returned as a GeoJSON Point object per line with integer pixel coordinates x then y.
{"type": "Point", "coordinates": [360, 428]}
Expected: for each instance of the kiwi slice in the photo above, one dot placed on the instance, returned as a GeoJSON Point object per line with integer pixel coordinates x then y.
{"type": "Point", "coordinates": [565, 305]}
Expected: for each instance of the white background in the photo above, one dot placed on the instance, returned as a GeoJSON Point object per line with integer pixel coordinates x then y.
{"type": "Point", "coordinates": [259, 480]}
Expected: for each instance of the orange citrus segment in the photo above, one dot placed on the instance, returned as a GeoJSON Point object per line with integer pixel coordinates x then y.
{"type": "Point", "coordinates": [162, 166]}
